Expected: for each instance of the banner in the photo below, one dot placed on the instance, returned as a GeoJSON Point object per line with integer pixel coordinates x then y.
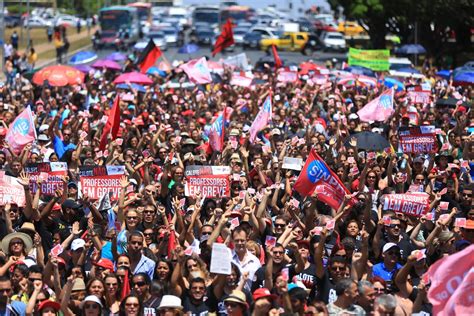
{"type": "Point", "coordinates": [415, 204]}
{"type": "Point", "coordinates": [287, 76]}
{"type": "Point", "coordinates": [100, 180]}
{"type": "Point", "coordinates": [11, 191]}
{"type": "Point", "coordinates": [375, 59]}
{"type": "Point", "coordinates": [239, 61]}
{"type": "Point", "coordinates": [262, 119]}
{"type": "Point", "coordinates": [418, 140]}
{"type": "Point", "coordinates": [451, 283]}
{"type": "Point", "coordinates": [210, 181]}
{"type": "Point", "coordinates": [379, 109]}
{"type": "Point", "coordinates": [197, 71]}
{"type": "Point", "coordinates": [418, 94]}
{"type": "Point", "coordinates": [51, 174]}
{"type": "Point", "coordinates": [22, 131]}
{"type": "Point", "coordinates": [317, 177]}
{"type": "Point", "coordinates": [241, 81]}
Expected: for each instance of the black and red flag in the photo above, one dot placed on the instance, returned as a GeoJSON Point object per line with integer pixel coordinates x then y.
{"type": "Point", "coordinates": [149, 56]}
{"type": "Point", "coordinates": [225, 39]}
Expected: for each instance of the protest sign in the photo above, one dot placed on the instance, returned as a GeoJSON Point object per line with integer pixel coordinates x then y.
{"type": "Point", "coordinates": [239, 61]}
{"type": "Point", "coordinates": [292, 163]}
{"type": "Point", "coordinates": [50, 173]}
{"type": "Point", "coordinates": [410, 204]}
{"type": "Point", "coordinates": [375, 59]}
{"type": "Point", "coordinates": [220, 259]}
{"type": "Point", "coordinates": [210, 181]}
{"type": "Point", "coordinates": [418, 140]}
{"type": "Point", "coordinates": [287, 76]}
{"type": "Point", "coordinates": [11, 191]}
{"type": "Point", "coordinates": [241, 81]}
{"type": "Point", "coordinates": [317, 177]}
{"type": "Point", "coordinates": [418, 94]}
{"type": "Point", "coordinates": [97, 181]}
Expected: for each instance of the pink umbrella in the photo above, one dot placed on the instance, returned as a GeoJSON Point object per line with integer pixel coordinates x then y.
{"type": "Point", "coordinates": [133, 77]}
{"type": "Point", "coordinates": [363, 81]}
{"type": "Point", "coordinates": [107, 64]}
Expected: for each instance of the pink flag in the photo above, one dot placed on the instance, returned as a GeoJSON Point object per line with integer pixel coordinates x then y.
{"type": "Point", "coordinates": [241, 81]}
{"type": "Point", "coordinates": [197, 71]}
{"type": "Point", "coordinates": [216, 133]}
{"type": "Point", "coordinates": [379, 109]}
{"type": "Point", "coordinates": [262, 119]}
{"type": "Point", "coordinates": [446, 276]}
{"type": "Point", "coordinates": [22, 131]}
{"type": "Point", "coordinates": [462, 301]}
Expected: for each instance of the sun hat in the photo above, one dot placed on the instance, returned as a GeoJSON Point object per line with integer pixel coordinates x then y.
{"type": "Point", "coordinates": [237, 297]}
{"type": "Point", "coordinates": [91, 298]}
{"type": "Point", "coordinates": [79, 285]}
{"type": "Point", "coordinates": [24, 237]}
{"type": "Point", "coordinates": [49, 303]}
{"type": "Point", "coordinates": [27, 227]}
{"type": "Point", "coordinates": [263, 293]}
{"type": "Point", "coordinates": [170, 301]}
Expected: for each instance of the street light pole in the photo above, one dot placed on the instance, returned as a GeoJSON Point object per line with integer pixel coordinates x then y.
{"type": "Point", "coordinates": [28, 25]}
{"type": "Point", "coordinates": [2, 32]}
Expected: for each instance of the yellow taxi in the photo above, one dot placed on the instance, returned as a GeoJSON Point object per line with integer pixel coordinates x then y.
{"type": "Point", "coordinates": [350, 28]}
{"type": "Point", "coordinates": [288, 41]}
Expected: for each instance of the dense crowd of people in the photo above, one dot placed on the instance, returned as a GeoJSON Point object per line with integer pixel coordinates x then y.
{"type": "Point", "coordinates": [290, 254]}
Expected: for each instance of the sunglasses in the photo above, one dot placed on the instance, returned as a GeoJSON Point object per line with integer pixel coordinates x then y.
{"type": "Point", "coordinates": [395, 226]}
{"type": "Point", "coordinates": [279, 225]}
{"type": "Point", "coordinates": [91, 306]}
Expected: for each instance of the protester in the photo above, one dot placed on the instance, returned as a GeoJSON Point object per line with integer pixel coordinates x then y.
{"type": "Point", "coordinates": [197, 194]}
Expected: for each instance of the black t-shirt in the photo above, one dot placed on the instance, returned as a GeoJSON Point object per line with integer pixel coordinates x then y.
{"type": "Point", "coordinates": [324, 289]}
{"type": "Point", "coordinates": [150, 307]}
{"type": "Point", "coordinates": [259, 277]}
{"type": "Point", "coordinates": [308, 276]}
{"type": "Point", "coordinates": [202, 309]}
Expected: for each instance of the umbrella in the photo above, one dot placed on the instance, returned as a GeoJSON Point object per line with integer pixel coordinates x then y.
{"type": "Point", "coordinates": [370, 141]}
{"type": "Point", "coordinates": [133, 77]}
{"type": "Point", "coordinates": [116, 56]}
{"type": "Point", "coordinates": [135, 86]}
{"type": "Point", "coordinates": [409, 70]}
{"type": "Point", "coordinates": [58, 76]}
{"type": "Point", "coordinates": [84, 68]}
{"type": "Point", "coordinates": [446, 74]}
{"type": "Point", "coordinates": [155, 71]}
{"type": "Point", "coordinates": [359, 70]}
{"type": "Point", "coordinates": [82, 58]}
{"type": "Point", "coordinates": [464, 79]}
{"type": "Point", "coordinates": [390, 82]}
{"type": "Point", "coordinates": [359, 80]}
{"type": "Point", "coordinates": [411, 49]}
{"type": "Point", "coordinates": [107, 64]}
{"type": "Point", "coordinates": [188, 49]}
{"type": "Point", "coordinates": [307, 67]}
{"type": "Point", "coordinates": [140, 46]}
{"type": "Point", "coordinates": [449, 102]}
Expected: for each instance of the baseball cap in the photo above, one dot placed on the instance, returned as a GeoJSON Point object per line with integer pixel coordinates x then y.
{"type": "Point", "coordinates": [77, 244]}
{"type": "Point", "coordinates": [49, 303]}
{"type": "Point", "coordinates": [389, 246]}
{"type": "Point", "coordinates": [263, 293]}
{"type": "Point", "coordinates": [105, 263]}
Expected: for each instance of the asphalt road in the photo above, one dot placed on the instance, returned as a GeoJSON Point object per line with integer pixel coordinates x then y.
{"type": "Point", "coordinates": [253, 55]}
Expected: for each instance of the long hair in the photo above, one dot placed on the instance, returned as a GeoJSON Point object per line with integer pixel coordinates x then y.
{"type": "Point", "coordinates": [122, 305]}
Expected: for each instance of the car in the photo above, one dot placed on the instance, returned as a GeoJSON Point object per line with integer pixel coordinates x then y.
{"type": "Point", "coordinates": [252, 39]}
{"type": "Point", "coordinates": [171, 36]}
{"type": "Point", "coordinates": [333, 41]}
{"type": "Point", "coordinates": [205, 36]}
{"type": "Point", "coordinates": [68, 20]}
{"type": "Point", "coordinates": [239, 34]}
{"type": "Point", "coordinates": [350, 28]}
{"type": "Point", "coordinates": [159, 38]}
{"type": "Point", "coordinates": [294, 41]}
{"type": "Point", "coordinates": [12, 21]}
{"type": "Point", "coordinates": [36, 22]}
{"type": "Point", "coordinates": [267, 32]}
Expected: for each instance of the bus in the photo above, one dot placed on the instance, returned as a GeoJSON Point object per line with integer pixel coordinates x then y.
{"type": "Point", "coordinates": [144, 12]}
{"type": "Point", "coordinates": [236, 13]}
{"type": "Point", "coordinates": [115, 19]}
{"type": "Point", "coordinates": [208, 15]}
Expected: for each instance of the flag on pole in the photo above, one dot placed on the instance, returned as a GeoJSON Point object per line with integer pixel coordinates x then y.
{"type": "Point", "coordinates": [278, 63]}
{"type": "Point", "coordinates": [217, 132]}
{"type": "Point", "coordinates": [22, 131]}
{"type": "Point", "coordinates": [379, 109]}
{"type": "Point", "coordinates": [149, 56]}
{"type": "Point", "coordinates": [113, 124]}
{"type": "Point", "coordinates": [225, 39]}
{"type": "Point", "coordinates": [262, 119]}
{"type": "Point", "coordinates": [197, 71]}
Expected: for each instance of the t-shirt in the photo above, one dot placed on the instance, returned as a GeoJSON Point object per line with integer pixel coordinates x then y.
{"type": "Point", "coordinates": [353, 309]}
{"type": "Point", "coordinates": [324, 289]}
{"type": "Point", "coordinates": [15, 308]}
{"type": "Point", "coordinates": [190, 309]}
{"type": "Point", "coordinates": [308, 276]}
{"type": "Point", "coordinates": [259, 279]}
{"type": "Point", "coordinates": [150, 307]}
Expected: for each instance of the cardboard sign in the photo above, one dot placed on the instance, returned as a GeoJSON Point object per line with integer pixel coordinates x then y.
{"type": "Point", "coordinates": [409, 204]}
{"type": "Point", "coordinates": [417, 94]}
{"type": "Point", "coordinates": [11, 191]}
{"type": "Point", "coordinates": [99, 180]}
{"type": "Point", "coordinates": [50, 172]}
{"type": "Point", "coordinates": [221, 258]}
{"type": "Point", "coordinates": [418, 140]}
{"type": "Point", "coordinates": [210, 181]}
{"type": "Point", "coordinates": [270, 241]}
{"type": "Point", "coordinates": [291, 163]}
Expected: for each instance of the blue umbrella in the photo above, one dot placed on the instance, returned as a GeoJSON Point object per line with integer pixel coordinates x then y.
{"type": "Point", "coordinates": [135, 86]}
{"type": "Point", "coordinates": [446, 74]}
{"type": "Point", "coordinates": [156, 71]}
{"type": "Point", "coordinates": [82, 58]}
{"type": "Point", "coordinates": [409, 70]}
{"type": "Point", "coordinates": [188, 49]}
{"type": "Point", "coordinates": [466, 78]}
{"type": "Point", "coordinates": [116, 56]}
{"type": "Point", "coordinates": [84, 68]}
{"type": "Point", "coordinates": [411, 49]}
{"type": "Point", "coordinates": [390, 82]}
{"type": "Point", "coordinates": [359, 70]}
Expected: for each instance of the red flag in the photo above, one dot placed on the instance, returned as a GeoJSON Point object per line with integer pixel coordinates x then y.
{"type": "Point", "coordinates": [112, 125]}
{"type": "Point", "coordinates": [278, 63]}
{"type": "Point", "coordinates": [126, 285]}
{"type": "Point", "coordinates": [149, 56]}
{"type": "Point", "coordinates": [172, 242]}
{"type": "Point", "coordinates": [316, 176]}
{"type": "Point", "coordinates": [225, 39]}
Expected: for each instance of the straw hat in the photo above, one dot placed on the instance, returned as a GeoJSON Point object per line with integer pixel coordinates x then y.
{"type": "Point", "coordinates": [237, 297]}
{"type": "Point", "coordinates": [24, 237]}
{"type": "Point", "coordinates": [170, 301]}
